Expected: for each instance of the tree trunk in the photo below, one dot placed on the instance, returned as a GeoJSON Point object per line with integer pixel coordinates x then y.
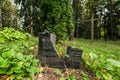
{"type": "Point", "coordinates": [0, 17]}
{"type": "Point", "coordinates": [76, 16]}
{"type": "Point", "coordinates": [112, 18]}
{"type": "Point", "coordinates": [92, 26]}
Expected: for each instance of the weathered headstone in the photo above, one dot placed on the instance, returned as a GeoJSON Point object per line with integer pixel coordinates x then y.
{"type": "Point", "coordinates": [53, 39]}
{"type": "Point", "coordinates": [47, 52]}
{"type": "Point", "coordinates": [75, 57]}
{"type": "Point", "coordinates": [48, 55]}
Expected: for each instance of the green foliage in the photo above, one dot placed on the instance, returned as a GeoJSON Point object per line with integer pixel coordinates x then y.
{"type": "Point", "coordinates": [56, 16]}
{"type": "Point", "coordinates": [58, 71]}
{"type": "Point", "coordinates": [85, 76]}
{"type": "Point", "coordinates": [9, 13]}
{"type": "Point", "coordinates": [17, 64]}
{"type": "Point", "coordinates": [118, 30]}
{"type": "Point", "coordinates": [13, 61]}
{"type": "Point", "coordinates": [71, 77]}
{"type": "Point", "coordinates": [100, 58]}
{"type": "Point", "coordinates": [53, 15]}
{"type": "Point", "coordinates": [62, 78]}
{"type": "Point", "coordinates": [9, 34]}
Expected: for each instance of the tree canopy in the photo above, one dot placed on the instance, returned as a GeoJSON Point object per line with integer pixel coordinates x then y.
{"type": "Point", "coordinates": [81, 18]}
{"type": "Point", "coordinates": [53, 15]}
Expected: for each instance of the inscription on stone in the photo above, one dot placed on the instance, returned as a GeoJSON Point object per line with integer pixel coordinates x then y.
{"type": "Point", "coordinates": [74, 59]}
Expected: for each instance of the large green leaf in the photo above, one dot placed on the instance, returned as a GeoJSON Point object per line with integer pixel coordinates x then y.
{"type": "Point", "coordinates": [35, 62]}
{"type": "Point", "coordinates": [29, 57]}
{"type": "Point", "coordinates": [93, 56]}
{"type": "Point", "coordinates": [10, 71]}
{"type": "Point", "coordinates": [107, 76]}
{"type": "Point", "coordinates": [27, 64]}
{"type": "Point", "coordinates": [2, 71]}
{"type": "Point", "coordinates": [8, 54]}
{"type": "Point", "coordinates": [62, 78]}
{"type": "Point", "coordinates": [20, 56]}
{"type": "Point", "coordinates": [19, 71]}
{"type": "Point", "coordinates": [33, 69]}
{"type": "Point", "coordinates": [2, 40]}
{"type": "Point", "coordinates": [114, 62]}
{"type": "Point", "coordinates": [99, 74]}
{"type": "Point", "coordinates": [3, 63]}
{"type": "Point", "coordinates": [12, 77]}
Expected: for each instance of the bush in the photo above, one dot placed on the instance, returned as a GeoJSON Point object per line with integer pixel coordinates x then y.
{"type": "Point", "coordinates": [56, 17]}
{"type": "Point", "coordinates": [13, 61]}
{"type": "Point", "coordinates": [17, 65]}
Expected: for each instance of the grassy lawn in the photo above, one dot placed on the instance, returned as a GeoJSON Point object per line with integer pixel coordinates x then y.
{"type": "Point", "coordinates": [109, 49]}
{"type": "Point", "coordinates": [101, 58]}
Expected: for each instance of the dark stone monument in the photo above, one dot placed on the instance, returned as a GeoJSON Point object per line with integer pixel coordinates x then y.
{"type": "Point", "coordinates": [48, 55]}
{"type": "Point", "coordinates": [75, 57]}
{"type": "Point", "coordinates": [47, 52]}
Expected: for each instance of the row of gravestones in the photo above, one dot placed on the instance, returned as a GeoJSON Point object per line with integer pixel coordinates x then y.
{"type": "Point", "coordinates": [48, 55]}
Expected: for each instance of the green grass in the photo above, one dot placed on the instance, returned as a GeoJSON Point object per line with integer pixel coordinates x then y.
{"type": "Point", "coordinates": [101, 58]}
{"type": "Point", "coordinates": [110, 49]}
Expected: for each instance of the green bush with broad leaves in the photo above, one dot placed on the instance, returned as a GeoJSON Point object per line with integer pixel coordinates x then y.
{"type": "Point", "coordinates": [9, 34]}
{"type": "Point", "coordinates": [13, 59]}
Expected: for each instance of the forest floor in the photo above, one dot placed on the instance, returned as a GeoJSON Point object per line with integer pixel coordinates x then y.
{"type": "Point", "coordinates": [63, 74]}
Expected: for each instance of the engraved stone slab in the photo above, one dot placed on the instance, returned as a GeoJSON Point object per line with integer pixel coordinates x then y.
{"type": "Point", "coordinates": [75, 57]}
{"type": "Point", "coordinates": [48, 55]}
{"type": "Point", "coordinates": [47, 52]}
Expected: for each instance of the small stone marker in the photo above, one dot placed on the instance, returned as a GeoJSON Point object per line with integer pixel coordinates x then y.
{"type": "Point", "coordinates": [74, 59]}
{"type": "Point", "coordinates": [48, 55]}
{"type": "Point", "coordinates": [47, 52]}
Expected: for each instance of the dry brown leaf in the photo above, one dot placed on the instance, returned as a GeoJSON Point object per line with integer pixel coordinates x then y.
{"type": "Point", "coordinates": [40, 75]}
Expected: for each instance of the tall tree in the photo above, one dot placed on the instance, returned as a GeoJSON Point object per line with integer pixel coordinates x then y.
{"type": "Point", "coordinates": [29, 12]}
{"type": "Point", "coordinates": [117, 16]}
{"type": "Point", "coordinates": [56, 16]}
{"type": "Point", "coordinates": [1, 2]}
{"type": "Point", "coordinates": [53, 15]}
{"type": "Point", "coordinates": [112, 18]}
{"type": "Point", "coordinates": [76, 16]}
{"type": "Point", "coordinates": [92, 4]}
{"type": "Point", "coordinates": [9, 14]}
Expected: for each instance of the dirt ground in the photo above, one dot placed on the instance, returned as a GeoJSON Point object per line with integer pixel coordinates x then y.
{"type": "Point", "coordinates": [55, 74]}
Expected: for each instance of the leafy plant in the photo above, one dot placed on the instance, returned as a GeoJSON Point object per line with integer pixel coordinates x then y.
{"type": "Point", "coordinates": [9, 34]}
{"type": "Point", "coordinates": [62, 78]}
{"type": "Point", "coordinates": [71, 77]}
{"type": "Point", "coordinates": [57, 18]}
{"type": "Point", "coordinates": [101, 58]}
{"type": "Point", "coordinates": [85, 77]}
{"type": "Point", "coordinates": [17, 65]}
{"type": "Point", "coordinates": [13, 61]}
{"type": "Point", "coordinates": [102, 67]}
{"type": "Point", "coordinates": [58, 71]}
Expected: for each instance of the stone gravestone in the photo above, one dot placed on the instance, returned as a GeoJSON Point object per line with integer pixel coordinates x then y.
{"type": "Point", "coordinates": [75, 57]}
{"type": "Point", "coordinates": [48, 55]}
{"type": "Point", "coordinates": [47, 52]}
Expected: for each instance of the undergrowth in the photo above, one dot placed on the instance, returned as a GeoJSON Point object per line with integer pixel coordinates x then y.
{"type": "Point", "coordinates": [101, 58]}
{"type": "Point", "coordinates": [16, 60]}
